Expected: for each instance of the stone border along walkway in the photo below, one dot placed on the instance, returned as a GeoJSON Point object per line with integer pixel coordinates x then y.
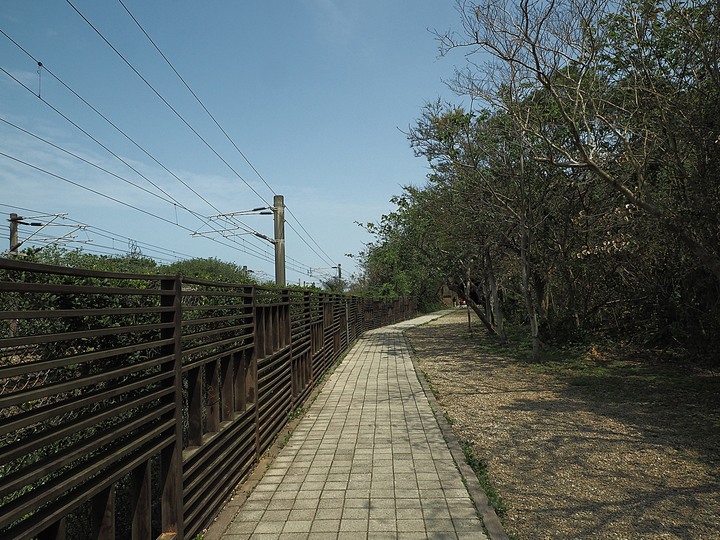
{"type": "Point", "coordinates": [367, 460]}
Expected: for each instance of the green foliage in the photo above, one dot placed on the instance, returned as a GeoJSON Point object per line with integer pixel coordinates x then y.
{"type": "Point", "coordinates": [211, 269]}
{"type": "Point", "coordinates": [297, 413]}
{"type": "Point", "coordinates": [334, 284]}
{"type": "Point", "coordinates": [131, 263]}
{"type": "Point", "coordinates": [399, 263]}
{"type": "Point", "coordinates": [480, 467]}
{"type": "Point", "coordinates": [582, 199]}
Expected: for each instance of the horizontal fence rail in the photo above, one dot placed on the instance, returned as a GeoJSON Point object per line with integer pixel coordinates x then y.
{"type": "Point", "coordinates": [132, 405]}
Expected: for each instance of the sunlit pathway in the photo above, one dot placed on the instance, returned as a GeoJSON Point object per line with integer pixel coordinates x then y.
{"type": "Point", "coordinates": [368, 460]}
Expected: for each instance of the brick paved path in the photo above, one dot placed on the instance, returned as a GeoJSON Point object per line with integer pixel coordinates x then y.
{"type": "Point", "coordinates": [367, 461]}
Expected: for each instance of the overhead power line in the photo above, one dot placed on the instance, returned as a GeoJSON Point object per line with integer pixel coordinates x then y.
{"type": "Point", "coordinates": [256, 253]}
{"type": "Point", "coordinates": [167, 60]}
{"type": "Point", "coordinates": [80, 158]}
{"type": "Point", "coordinates": [108, 121]}
{"type": "Point", "coordinates": [327, 258]}
{"type": "Point", "coordinates": [165, 254]}
{"type": "Point", "coordinates": [102, 169]}
{"type": "Point", "coordinates": [165, 101]}
{"type": "Point", "coordinates": [105, 147]}
{"type": "Point", "coordinates": [227, 136]}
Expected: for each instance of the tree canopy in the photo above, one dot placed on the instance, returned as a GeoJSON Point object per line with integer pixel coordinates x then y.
{"type": "Point", "coordinates": [579, 195]}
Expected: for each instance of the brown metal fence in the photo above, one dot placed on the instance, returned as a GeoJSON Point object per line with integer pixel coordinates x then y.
{"type": "Point", "coordinates": [132, 405]}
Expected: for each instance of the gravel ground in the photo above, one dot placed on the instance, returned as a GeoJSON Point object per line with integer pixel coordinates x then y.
{"type": "Point", "coordinates": [606, 457]}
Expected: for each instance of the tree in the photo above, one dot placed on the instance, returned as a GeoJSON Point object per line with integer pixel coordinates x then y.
{"type": "Point", "coordinates": [483, 157]}
{"type": "Point", "coordinates": [401, 260]}
{"type": "Point", "coordinates": [210, 269]}
{"type": "Point", "coordinates": [635, 89]}
{"type": "Point", "coordinates": [581, 196]}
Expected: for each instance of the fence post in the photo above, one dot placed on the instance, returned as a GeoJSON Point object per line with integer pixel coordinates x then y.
{"type": "Point", "coordinates": [347, 323]}
{"type": "Point", "coordinates": [141, 501]}
{"type": "Point", "coordinates": [257, 348]}
{"type": "Point", "coordinates": [307, 317]}
{"type": "Point", "coordinates": [286, 323]}
{"type": "Point", "coordinates": [102, 519]}
{"type": "Point", "coordinates": [171, 458]}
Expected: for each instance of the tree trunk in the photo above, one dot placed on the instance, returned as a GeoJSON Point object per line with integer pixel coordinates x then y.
{"type": "Point", "coordinates": [494, 298]}
{"type": "Point", "coordinates": [467, 294]}
{"type": "Point", "coordinates": [460, 290]}
{"type": "Point", "coordinates": [529, 304]}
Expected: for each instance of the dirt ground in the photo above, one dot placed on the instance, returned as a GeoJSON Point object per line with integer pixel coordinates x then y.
{"type": "Point", "coordinates": [604, 449]}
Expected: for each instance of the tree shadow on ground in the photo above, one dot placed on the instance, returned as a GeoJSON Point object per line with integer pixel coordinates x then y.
{"type": "Point", "coordinates": [679, 404]}
{"type": "Point", "coordinates": [590, 442]}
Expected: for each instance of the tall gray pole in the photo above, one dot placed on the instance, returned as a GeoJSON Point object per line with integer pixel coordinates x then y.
{"type": "Point", "coordinates": [279, 240]}
{"type": "Point", "coordinates": [14, 233]}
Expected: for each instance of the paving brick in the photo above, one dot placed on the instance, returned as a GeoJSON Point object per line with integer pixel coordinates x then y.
{"type": "Point", "coordinates": [382, 525]}
{"type": "Point", "coordinates": [325, 525]}
{"type": "Point", "coordinates": [355, 525]}
{"type": "Point", "coordinates": [410, 525]}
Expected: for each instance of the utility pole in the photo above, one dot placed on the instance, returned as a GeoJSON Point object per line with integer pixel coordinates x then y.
{"type": "Point", "coordinates": [339, 267]}
{"type": "Point", "coordinates": [14, 245]}
{"type": "Point", "coordinates": [279, 240]}
{"type": "Point", "coordinates": [16, 220]}
{"type": "Point", "coordinates": [231, 226]}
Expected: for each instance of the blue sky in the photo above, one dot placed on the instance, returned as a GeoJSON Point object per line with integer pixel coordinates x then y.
{"type": "Point", "coordinates": [315, 93]}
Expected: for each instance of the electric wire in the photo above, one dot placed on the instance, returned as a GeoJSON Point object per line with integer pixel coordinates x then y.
{"type": "Point", "coordinates": [130, 65]}
{"type": "Point", "coordinates": [289, 260]}
{"type": "Point", "coordinates": [247, 229]}
{"type": "Point", "coordinates": [165, 101]}
{"type": "Point", "coordinates": [260, 255]}
{"type": "Point", "coordinates": [57, 111]}
{"type": "Point", "coordinates": [88, 247]}
{"type": "Point", "coordinates": [68, 152]}
{"type": "Point", "coordinates": [240, 225]}
{"type": "Point", "coordinates": [146, 246]}
{"type": "Point", "coordinates": [97, 231]}
{"type": "Point", "coordinates": [196, 97]}
{"type": "Point", "coordinates": [111, 123]}
{"type": "Point", "coordinates": [227, 136]}
{"type": "Point", "coordinates": [289, 223]}
{"type": "Point", "coordinates": [173, 109]}
{"type": "Point", "coordinates": [45, 67]}
{"type": "Point", "coordinates": [109, 235]}
{"type": "Point", "coordinates": [96, 192]}
{"type": "Point", "coordinates": [79, 128]}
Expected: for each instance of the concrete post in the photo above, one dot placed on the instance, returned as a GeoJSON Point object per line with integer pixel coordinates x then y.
{"type": "Point", "coordinates": [14, 233]}
{"type": "Point", "coordinates": [279, 240]}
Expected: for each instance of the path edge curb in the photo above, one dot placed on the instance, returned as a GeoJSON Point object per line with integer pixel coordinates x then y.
{"type": "Point", "coordinates": [490, 519]}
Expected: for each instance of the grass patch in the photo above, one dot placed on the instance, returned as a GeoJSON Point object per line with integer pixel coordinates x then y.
{"type": "Point", "coordinates": [608, 369]}
{"type": "Point", "coordinates": [297, 413]}
{"type": "Point", "coordinates": [282, 443]}
{"type": "Point", "coordinates": [481, 471]}
{"type": "Point", "coordinates": [677, 399]}
{"type": "Point", "coordinates": [427, 380]}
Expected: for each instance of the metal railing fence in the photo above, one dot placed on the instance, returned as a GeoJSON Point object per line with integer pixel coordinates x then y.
{"type": "Point", "coordinates": [132, 405]}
